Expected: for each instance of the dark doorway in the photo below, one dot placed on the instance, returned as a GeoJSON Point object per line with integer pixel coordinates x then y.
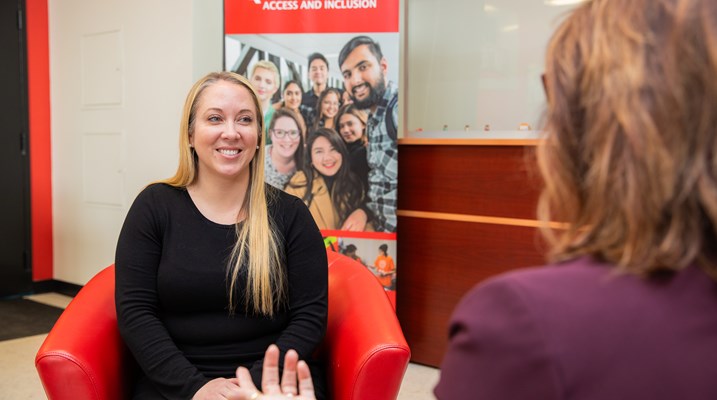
{"type": "Point", "coordinates": [15, 273]}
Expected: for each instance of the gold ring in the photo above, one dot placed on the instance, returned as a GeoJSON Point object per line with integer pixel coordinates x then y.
{"type": "Point", "coordinates": [254, 396]}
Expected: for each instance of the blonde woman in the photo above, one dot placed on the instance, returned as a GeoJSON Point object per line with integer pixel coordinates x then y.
{"type": "Point", "coordinates": [266, 80]}
{"type": "Point", "coordinates": [212, 265]}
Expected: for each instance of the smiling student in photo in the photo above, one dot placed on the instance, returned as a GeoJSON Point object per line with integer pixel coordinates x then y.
{"type": "Point", "coordinates": [365, 71]}
{"type": "Point", "coordinates": [285, 154]}
{"type": "Point", "coordinates": [266, 80]}
{"type": "Point", "coordinates": [327, 108]}
{"type": "Point", "coordinates": [327, 185]}
{"type": "Point", "coordinates": [291, 99]}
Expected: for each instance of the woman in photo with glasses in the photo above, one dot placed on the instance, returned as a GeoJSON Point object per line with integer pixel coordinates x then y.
{"type": "Point", "coordinates": [285, 154]}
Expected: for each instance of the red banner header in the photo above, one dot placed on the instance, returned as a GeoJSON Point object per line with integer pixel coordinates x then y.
{"type": "Point", "coordinates": [310, 16]}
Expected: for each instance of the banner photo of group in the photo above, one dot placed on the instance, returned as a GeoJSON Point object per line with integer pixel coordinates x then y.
{"type": "Point", "coordinates": [326, 72]}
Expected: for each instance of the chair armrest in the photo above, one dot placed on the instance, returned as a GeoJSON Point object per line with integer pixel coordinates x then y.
{"type": "Point", "coordinates": [83, 356]}
{"type": "Point", "coordinates": [368, 352]}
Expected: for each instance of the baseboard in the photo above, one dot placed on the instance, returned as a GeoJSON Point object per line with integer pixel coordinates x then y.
{"type": "Point", "coordinates": [51, 285]}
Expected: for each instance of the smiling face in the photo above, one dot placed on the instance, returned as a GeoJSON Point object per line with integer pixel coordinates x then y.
{"type": "Point", "coordinates": [318, 71]}
{"type": "Point", "coordinates": [324, 157]}
{"type": "Point", "coordinates": [225, 132]}
{"type": "Point", "coordinates": [286, 146]}
{"type": "Point", "coordinates": [292, 96]}
{"type": "Point", "coordinates": [364, 77]}
{"type": "Point", "coordinates": [330, 105]}
{"type": "Point", "coordinates": [264, 82]}
{"type": "Point", "coordinates": [351, 128]}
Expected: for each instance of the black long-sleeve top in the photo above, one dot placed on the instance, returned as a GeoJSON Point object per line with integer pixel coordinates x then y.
{"type": "Point", "coordinates": [172, 301]}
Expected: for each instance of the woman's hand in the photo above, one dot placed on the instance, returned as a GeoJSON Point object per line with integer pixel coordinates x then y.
{"type": "Point", "coordinates": [220, 388]}
{"type": "Point", "coordinates": [356, 221]}
{"type": "Point", "coordinates": [275, 389]}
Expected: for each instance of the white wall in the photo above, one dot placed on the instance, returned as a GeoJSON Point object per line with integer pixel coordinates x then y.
{"type": "Point", "coordinates": [474, 62]}
{"type": "Point", "coordinates": [119, 72]}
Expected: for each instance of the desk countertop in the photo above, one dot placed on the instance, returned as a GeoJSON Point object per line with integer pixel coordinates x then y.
{"type": "Point", "coordinates": [472, 138]}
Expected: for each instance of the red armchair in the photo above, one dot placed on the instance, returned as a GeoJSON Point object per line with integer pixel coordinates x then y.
{"type": "Point", "coordinates": [366, 354]}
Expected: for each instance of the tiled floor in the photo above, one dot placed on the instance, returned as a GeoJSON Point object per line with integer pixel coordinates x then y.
{"type": "Point", "coordinates": [51, 299]}
{"type": "Point", "coordinates": [418, 383]}
{"type": "Point", "coordinates": [19, 380]}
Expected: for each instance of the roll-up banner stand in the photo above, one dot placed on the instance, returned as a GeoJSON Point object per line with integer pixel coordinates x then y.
{"type": "Point", "coordinates": [326, 72]}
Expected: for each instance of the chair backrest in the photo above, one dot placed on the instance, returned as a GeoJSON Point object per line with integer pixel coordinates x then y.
{"type": "Point", "coordinates": [84, 356]}
{"type": "Point", "coordinates": [367, 354]}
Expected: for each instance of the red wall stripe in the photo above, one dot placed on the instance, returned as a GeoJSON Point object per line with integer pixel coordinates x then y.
{"type": "Point", "coordinates": [38, 70]}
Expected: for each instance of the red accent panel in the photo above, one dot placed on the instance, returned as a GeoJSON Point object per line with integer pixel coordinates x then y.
{"type": "Point", "coordinates": [38, 71]}
{"type": "Point", "coordinates": [316, 16]}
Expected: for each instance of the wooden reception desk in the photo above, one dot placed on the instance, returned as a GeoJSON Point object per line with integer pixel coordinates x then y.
{"type": "Point", "coordinates": [466, 211]}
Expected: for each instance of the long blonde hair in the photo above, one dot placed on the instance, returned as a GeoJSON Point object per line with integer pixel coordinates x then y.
{"type": "Point", "coordinates": [630, 157]}
{"type": "Point", "coordinates": [257, 245]}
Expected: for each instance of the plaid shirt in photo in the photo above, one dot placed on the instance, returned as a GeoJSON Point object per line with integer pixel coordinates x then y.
{"type": "Point", "coordinates": [382, 156]}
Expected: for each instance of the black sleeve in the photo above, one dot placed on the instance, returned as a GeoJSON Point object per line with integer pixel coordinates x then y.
{"type": "Point", "coordinates": [307, 271]}
{"type": "Point", "coordinates": [139, 250]}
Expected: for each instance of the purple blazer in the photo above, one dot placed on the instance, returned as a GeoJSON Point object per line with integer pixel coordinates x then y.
{"type": "Point", "coordinates": [580, 331]}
